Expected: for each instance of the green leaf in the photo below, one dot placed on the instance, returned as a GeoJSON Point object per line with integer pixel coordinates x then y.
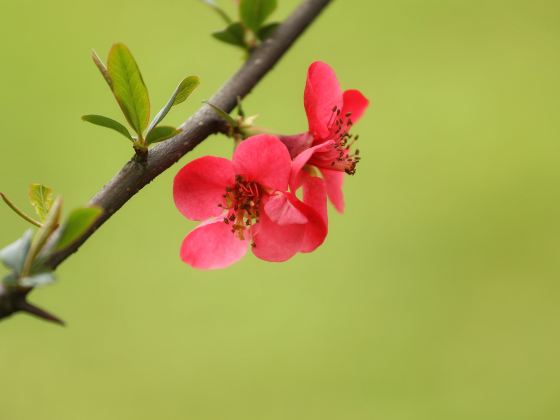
{"type": "Point", "coordinates": [234, 34]}
{"type": "Point", "coordinates": [218, 10]}
{"type": "Point", "coordinates": [128, 87]}
{"type": "Point", "coordinates": [76, 224]}
{"type": "Point", "coordinates": [102, 69]}
{"type": "Point", "coordinates": [41, 198]}
{"type": "Point", "coordinates": [37, 280]}
{"type": "Point", "coordinates": [161, 133]}
{"type": "Point", "coordinates": [184, 90]}
{"type": "Point", "coordinates": [225, 116]}
{"type": "Point", "coordinates": [267, 30]}
{"type": "Point", "coordinates": [253, 13]}
{"type": "Point", "coordinates": [108, 123]}
{"type": "Point", "coordinates": [13, 256]}
{"type": "Point", "coordinates": [18, 211]}
{"type": "Point", "coordinates": [40, 239]}
{"type": "Point", "coordinates": [180, 95]}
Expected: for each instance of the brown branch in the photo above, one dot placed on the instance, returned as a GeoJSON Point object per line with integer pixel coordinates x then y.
{"type": "Point", "coordinates": [135, 175]}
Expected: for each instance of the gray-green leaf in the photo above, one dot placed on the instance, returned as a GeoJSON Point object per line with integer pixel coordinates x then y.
{"type": "Point", "coordinates": [225, 116]}
{"type": "Point", "coordinates": [253, 13]}
{"type": "Point", "coordinates": [76, 224]}
{"type": "Point", "coordinates": [180, 95]}
{"type": "Point", "coordinates": [161, 133]}
{"type": "Point", "coordinates": [128, 87]}
{"type": "Point", "coordinates": [234, 34]}
{"type": "Point", "coordinates": [37, 280]}
{"type": "Point", "coordinates": [108, 123]}
{"type": "Point", "coordinates": [13, 256]}
{"type": "Point", "coordinates": [41, 199]}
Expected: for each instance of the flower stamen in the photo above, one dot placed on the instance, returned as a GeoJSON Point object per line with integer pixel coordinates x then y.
{"type": "Point", "coordinates": [340, 157]}
{"type": "Point", "coordinates": [242, 203]}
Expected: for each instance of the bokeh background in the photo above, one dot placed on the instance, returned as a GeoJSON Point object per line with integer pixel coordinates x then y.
{"type": "Point", "coordinates": [436, 295]}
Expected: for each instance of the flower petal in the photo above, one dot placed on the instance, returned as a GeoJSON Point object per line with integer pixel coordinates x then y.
{"type": "Point", "coordinates": [315, 195]}
{"type": "Point", "coordinates": [281, 211]}
{"type": "Point", "coordinates": [315, 210]}
{"type": "Point", "coordinates": [333, 182]}
{"type": "Point", "coordinates": [212, 245]}
{"type": "Point", "coordinates": [301, 160]}
{"type": "Point", "coordinates": [274, 242]}
{"type": "Point", "coordinates": [297, 143]}
{"type": "Point", "coordinates": [322, 94]}
{"type": "Point", "coordinates": [199, 186]}
{"type": "Point", "coordinates": [355, 103]}
{"type": "Point", "coordinates": [263, 159]}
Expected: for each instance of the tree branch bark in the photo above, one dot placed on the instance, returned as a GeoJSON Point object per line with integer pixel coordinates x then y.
{"type": "Point", "coordinates": [134, 175]}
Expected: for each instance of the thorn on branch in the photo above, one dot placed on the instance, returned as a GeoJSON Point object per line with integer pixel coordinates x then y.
{"type": "Point", "coordinates": [23, 305]}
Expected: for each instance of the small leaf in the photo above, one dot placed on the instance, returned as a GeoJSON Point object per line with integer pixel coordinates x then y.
{"type": "Point", "coordinates": [40, 239]}
{"type": "Point", "coordinates": [13, 256]}
{"type": "Point", "coordinates": [76, 224]}
{"type": "Point", "coordinates": [161, 133]}
{"type": "Point", "coordinates": [41, 198]}
{"type": "Point", "coordinates": [102, 69]}
{"type": "Point", "coordinates": [234, 34]}
{"type": "Point", "coordinates": [225, 116]}
{"type": "Point", "coordinates": [18, 211]}
{"type": "Point", "coordinates": [253, 13]}
{"type": "Point", "coordinates": [218, 10]}
{"type": "Point", "coordinates": [267, 30]}
{"type": "Point", "coordinates": [128, 87]}
{"type": "Point", "coordinates": [180, 95]}
{"type": "Point", "coordinates": [184, 90]}
{"type": "Point", "coordinates": [108, 123]}
{"type": "Point", "coordinates": [37, 280]}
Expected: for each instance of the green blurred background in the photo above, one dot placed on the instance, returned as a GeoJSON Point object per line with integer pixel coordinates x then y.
{"type": "Point", "coordinates": [435, 295]}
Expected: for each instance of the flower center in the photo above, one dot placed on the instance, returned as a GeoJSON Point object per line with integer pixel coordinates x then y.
{"type": "Point", "coordinates": [341, 157]}
{"type": "Point", "coordinates": [242, 202]}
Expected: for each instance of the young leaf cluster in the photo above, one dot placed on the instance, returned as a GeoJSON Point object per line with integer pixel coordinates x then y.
{"type": "Point", "coordinates": [240, 127]}
{"type": "Point", "coordinates": [123, 77]}
{"type": "Point", "coordinates": [251, 29]}
{"type": "Point", "coordinates": [26, 258]}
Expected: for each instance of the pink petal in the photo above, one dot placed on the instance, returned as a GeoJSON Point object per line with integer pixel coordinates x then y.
{"type": "Point", "coordinates": [212, 245]}
{"type": "Point", "coordinates": [315, 195]}
{"type": "Point", "coordinates": [355, 103]}
{"type": "Point", "coordinates": [301, 160]}
{"type": "Point", "coordinates": [297, 143]}
{"type": "Point", "coordinates": [322, 94]}
{"type": "Point", "coordinates": [315, 210]}
{"type": "Point", "coordinates": [274, 242]}
{"type": "Point", "coordinates": [263, 159]}
{"type": "Point", "coordinates": [333, 182]}
{"type": "Point", "coordinates": [199, 186]}
{"type": "Point", "coordinates": [281, 211]}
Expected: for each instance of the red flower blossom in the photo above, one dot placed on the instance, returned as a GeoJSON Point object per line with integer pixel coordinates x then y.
{"type": "Point", "coordinates": [331, 114]}
{"type": "Point", "coordinates": [245, 201]}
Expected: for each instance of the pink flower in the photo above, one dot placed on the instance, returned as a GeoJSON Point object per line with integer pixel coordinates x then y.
{"type": "Point", "coordinates": [331, 114]}
{"type": "Point", "coordinates": [245, 201]}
